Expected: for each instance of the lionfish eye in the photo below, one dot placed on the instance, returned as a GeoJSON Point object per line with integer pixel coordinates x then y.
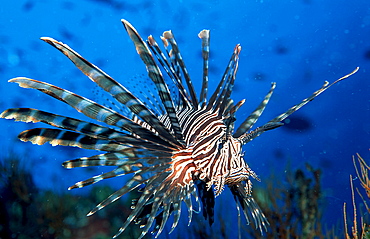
{"type": "Point", "coordinates": [154, 143]}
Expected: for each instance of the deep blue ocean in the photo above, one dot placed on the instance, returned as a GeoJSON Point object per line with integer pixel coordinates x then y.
{"type": "Point", "coordinates": [297, 44]}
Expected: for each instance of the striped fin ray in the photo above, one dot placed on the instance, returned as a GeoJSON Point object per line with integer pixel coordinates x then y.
{"type": "Point", "coordinates": [224, 99]}
{"type": "Point", "coordinates": [204, 35]}
{"type": "Point", "coordinates": [276, 122]}
{"type": "Point", "coordinates": [229, 116]}
{"type": "Point", "coordinates": [129, 186]}
{"type": "Point", "coordinates": [170, 205]}
{"type": "Point", "coordinates": [164, 194]}
{"type": "Point", "coordinates": [137, 180]}
{"type": "Point", "coordinates": [253, 117]}
{"type": "Point", "coordinates": [162, 59]}
{"type": "Point", "coordinates": [235, 108]}
{"type": "Point", "coordinates": [168, 35]}
{"type": "Point", "coordinates": [119, 171]}
{"type": "Point", "coordinates": [88, 107]}
{"type": "Point", "coordinates": [172, 61]}
{"type": "Point", "coordinates": [167, 211]}
{"type": "Point", "coordinates": [124, 169]}
{"type": "Point", "coordinates": [41, 136]}
{"type": "Point", "coordinates": [119, 92]}
{"type": "Point", "coordinates": [90, 129]}
{"type": "Point", "coordinates": [313, 96]}
{"type": "Point", "coordinates": [247, 137]}
{"type": "Point", "coordinates": [160, 194]}
{"type": "Point", "coordinates": [177, 70]}
{"type": "Point", "coordinates": [243, 197]}
{"type": "Point", "coordinates": [150, 188]}
{"type": "Point", "coordinates": [224, 103]}
{"type": "Point", "coordinates": [156, 75]}
{"type": "Point", "coordinates": [216, 94]}
{"type": "Point", "coordinates": [124, 157]}
{"type": "Point", "coordinates": [169, 202]}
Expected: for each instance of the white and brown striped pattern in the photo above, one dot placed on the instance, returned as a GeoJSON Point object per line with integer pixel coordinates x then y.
{"type": "Point", "coordinates": [189, 153]}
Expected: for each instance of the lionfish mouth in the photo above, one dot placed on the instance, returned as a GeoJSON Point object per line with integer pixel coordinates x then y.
{"type": "Point", "coordinates": [177, 149]}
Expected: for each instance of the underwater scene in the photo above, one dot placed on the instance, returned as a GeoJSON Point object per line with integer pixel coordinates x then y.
{"type": "Point", "coordinates": [144, 119]}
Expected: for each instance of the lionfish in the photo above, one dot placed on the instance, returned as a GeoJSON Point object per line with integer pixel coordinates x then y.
{"type": "Point", "coordinates": [180, 148]}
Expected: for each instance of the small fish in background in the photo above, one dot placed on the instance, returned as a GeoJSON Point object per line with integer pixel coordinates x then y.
{"type": "Point", "coordinates": [178, 146]}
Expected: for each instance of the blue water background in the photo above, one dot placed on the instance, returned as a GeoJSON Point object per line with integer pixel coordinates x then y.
{"type": "Point", "coordinates": [298, 44]}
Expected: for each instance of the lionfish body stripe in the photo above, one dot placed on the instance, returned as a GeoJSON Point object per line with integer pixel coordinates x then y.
{"type": "Point", "coordinates": [178, 149]}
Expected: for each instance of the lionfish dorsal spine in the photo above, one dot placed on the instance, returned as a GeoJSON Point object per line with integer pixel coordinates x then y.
{"type": "Point", "coordinates": [175, 67]}
{"type": "Point", "coordinates": [205, 36]}
{"type": "Point", "coordinates": [156, 76]}
{"type": "Point", "coordinates": [254, 116]}
{"type": "Point", "coordinates": [226, 81]}
{"type": "Point", "coordinates": [169, 68]}
{"type": "Point", "coordinates": [168, 35]}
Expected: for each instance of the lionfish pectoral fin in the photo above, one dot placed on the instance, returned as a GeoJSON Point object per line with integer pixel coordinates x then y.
{"type": "Point", "coordinates": [161, 197]}
{"type": "Point", "coordinates": [84, 127]}
{"type": "Point", "coordinates": [68, 138]}
{"type": "Point", "coordinates": [115, 89]}
{"type": "Point", "coordinates": [119, 171]}
{"type": "Point", "coordinates": [129, 186]}
{"type": "Point", "coordinates": [90, 108]}
{"type": "Point", "coordinates": [135, 182]}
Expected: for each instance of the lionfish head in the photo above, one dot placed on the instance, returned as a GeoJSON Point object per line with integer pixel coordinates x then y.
{"type": "Point", "coordinates": [176, 149]}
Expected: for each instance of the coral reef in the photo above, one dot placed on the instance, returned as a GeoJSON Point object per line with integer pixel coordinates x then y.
{"type": "Point", "coordinates": [28, 212]}
{"type": "Point", "coordinates": [363, 230]}
{"type": "Point", "coordinates": [293, 206]}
